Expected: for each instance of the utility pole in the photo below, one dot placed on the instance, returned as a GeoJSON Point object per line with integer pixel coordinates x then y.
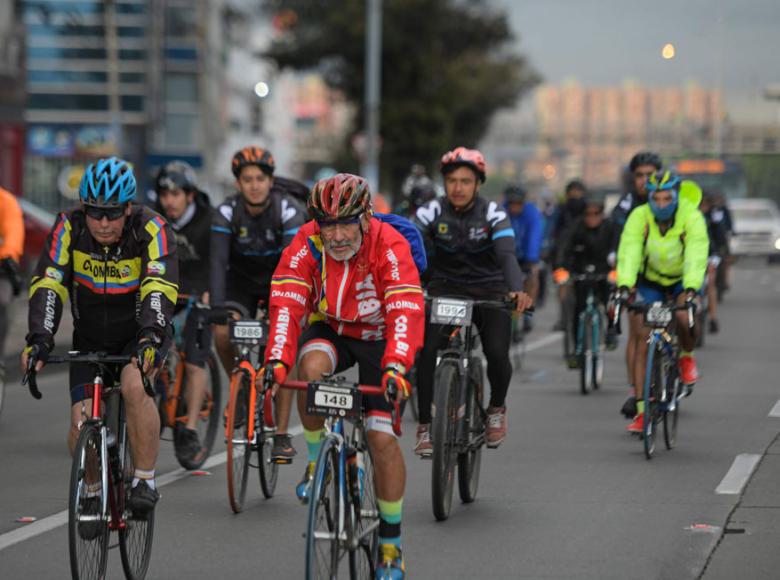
{"type": "Point", "coordinates": [373, 91]}
{"type": "Point", "coordinates": [112, 54]}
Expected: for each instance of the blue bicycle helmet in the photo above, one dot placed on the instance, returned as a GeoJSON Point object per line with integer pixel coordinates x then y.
{"type": "Point", "coordinates": [664, 181]}
{"type": "Point", "coordinates": [108, 182]}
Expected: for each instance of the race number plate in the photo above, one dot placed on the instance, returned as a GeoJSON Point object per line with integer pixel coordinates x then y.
{"type": "Point", "coordinates": [451, 311]}
{"type": "Point", "coordinates": [331, 400]}
{"type": "Point", "coordinates": [247, 331]}
{"type": "Point", "coordinates": [658, 315]}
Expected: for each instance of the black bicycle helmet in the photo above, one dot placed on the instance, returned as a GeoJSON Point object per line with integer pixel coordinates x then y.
{"type": "Point", "coordinates": [515, 194]}
{"type": "Point", "coordinates": [645, 158]}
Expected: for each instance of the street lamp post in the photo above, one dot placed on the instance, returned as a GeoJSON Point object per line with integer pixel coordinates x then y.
{"type": "Point", "coordinates": [373, 76]}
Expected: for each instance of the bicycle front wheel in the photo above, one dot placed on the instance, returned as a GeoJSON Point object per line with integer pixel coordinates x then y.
{"type": "Point", "coordinates": [598, 348]}
{"type": "Point", "coordinates": [444, 428]}
{"type": "Point", "coordinates": [470, 461]}
{"type": "Point", "coordinates": [673, 387]}
{"type": "Point", "coordinates": [585, 332]}
{"type": "Point", "coordinates": [267, 470]}
{"type": "Point", "coordinates": [324, 549]}
{"type": "Point", "coordinates": [135, 540]}
{"type": "Point", "coordinates": [363, 521]}
{"type": "Point", "coordinates": [87, 505]}
{"type": "Point", "coordinates": [652, 389]}
{"type": "Point", "coordinates": [239, 448]}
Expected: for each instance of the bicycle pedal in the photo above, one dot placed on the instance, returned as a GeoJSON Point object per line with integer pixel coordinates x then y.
{"type": "Point", "coordinates": [281, 460]}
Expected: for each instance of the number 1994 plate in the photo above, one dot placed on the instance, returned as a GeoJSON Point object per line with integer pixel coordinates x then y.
{"type": "Point", "coordinates": [330, 400]}
{"type": "Point", "coordinates": [451, 311]}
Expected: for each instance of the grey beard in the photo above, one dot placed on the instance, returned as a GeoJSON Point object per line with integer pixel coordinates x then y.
{"type": "Point", "coordinates": [329, 249]}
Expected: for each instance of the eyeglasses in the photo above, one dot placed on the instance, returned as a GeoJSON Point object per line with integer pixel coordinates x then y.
{"type": "Point", "coordinates": [98, 213]}
{"type": "Point", "coordinates": [339, 222]}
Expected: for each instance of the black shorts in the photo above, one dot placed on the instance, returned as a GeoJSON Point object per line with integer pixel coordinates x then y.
{"type": "Point", "coordinates": [245, 297]}
{"type": "Point", "coordinates": [344, 352]}
{"type": "Point", "coordinates": [194, 341]}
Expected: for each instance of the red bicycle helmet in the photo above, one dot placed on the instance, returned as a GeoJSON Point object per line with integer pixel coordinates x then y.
{"type": "Point", "coordinates": [461, 156]}
{"type": "Point", "coordinates": [342, 196]}
{"type": "Point", "coordinates": [253, 156]}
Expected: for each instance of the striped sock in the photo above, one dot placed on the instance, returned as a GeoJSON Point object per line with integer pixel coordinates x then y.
{"type": "Point", "coordinates": [146, 474]}
{"type": "Point", "coordinates": [390, 521]}
{"type": "Point", "coordinates": [640, 407]}
{"type": "Point", "coordinates": [313, 443]}
{"type": "Point", "coordinates": [686, 353]}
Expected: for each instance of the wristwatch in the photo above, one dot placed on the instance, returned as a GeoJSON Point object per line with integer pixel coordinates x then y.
{"type": "Point", "coordinates": [397, 367]}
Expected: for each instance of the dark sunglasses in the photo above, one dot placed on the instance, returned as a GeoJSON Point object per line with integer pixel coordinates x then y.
{"type": "Point", "coordinates": [343, 221]}
{"type": "Point", "coordinates": [98, 213]}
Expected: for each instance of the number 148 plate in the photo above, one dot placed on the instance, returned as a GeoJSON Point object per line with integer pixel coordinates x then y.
{"type": "Point", "coordinates": [331, 400]}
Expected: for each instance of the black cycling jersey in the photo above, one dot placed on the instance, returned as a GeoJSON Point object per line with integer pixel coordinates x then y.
{"type": "Point", "coordinates": [117, 293]}
{"type": "Point", "coordinates": [245, 249]}
{"type": "Point", "coordinates": [581, 246]}
{"type": "Point", "coordinates": [470, 252]}
{"type": "Point", "coordinates": [192, 233]}
{"type": "Point", "coordinates": [717, 233]}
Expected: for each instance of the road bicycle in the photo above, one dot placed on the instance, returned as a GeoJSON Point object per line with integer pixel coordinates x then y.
{"type": "Point", "coordinates": [343, 522]}
{"type": "Point", "coordinates": [101, 474]}
{"type": "Point", "coordinates": [459, 415]}
{"type": "Point", "coordinates": [173, 396]}
{"type": "Point", "coordinates": [249, 423]}
{"type": "Point", "coordinates": [662, 389]}
{"type": "Point", "coordinates": [591, 331]}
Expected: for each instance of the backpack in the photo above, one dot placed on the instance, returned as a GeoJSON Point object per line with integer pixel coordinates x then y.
{"type": "Point", "coordinates": [291, 187]}
{"type": "Point", "coordinates": [409, 231]}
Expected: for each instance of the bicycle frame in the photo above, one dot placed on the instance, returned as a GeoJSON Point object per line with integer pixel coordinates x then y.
{"type": "Point", "coordinates": [592, 312]}
{"type": "Point", "coordinates": [244, 364]}
{"type": "Point", "coordinates": [459, 347]}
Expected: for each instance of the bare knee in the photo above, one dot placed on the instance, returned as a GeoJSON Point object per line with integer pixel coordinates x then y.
{"type": "Point", "coordinates": [313, 365]}
{"type": "Point", "coordinates": [133, 392]}
{"type": "Point", "coordinates": [382, 445]}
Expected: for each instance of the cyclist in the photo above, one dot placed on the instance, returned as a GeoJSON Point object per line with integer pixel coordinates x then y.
{"type": "Point", "coordinates": [722, 215]}
{"type": "Point", "coordinates": [586, 243]}
{"type": "Point", "coordinates": [357, 277]}
{"type": "Point", "coordinates": [641, 167]}
{"type": "Point", "coordinates": [120, 269]}
{"type": "Point", "coordinates": [422, 191]}
{"type": "Point", "coordinates": [568, 213]}
{"type": "Point", "coordinates": [248, 234]}
{"type": "Point", "coordinates": [11, 249]}
{"type": "Point", "coordinates": [663, 255]}
{"type": "Point", "coordinates": [189, 212]}
{"type": "Point", "coordinates": [528, 225]}
{"type": "Point", "coordinates": [718, 242]}
{"type": "Point", "coordinates": [471, 249]}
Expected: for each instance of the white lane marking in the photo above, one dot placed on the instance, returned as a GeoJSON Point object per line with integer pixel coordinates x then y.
{"type": "Point", "coordinates": [51, 522]}
{"type": "Point", "coordinates": [741, 470]}
{"type": "Point", "coordinates": [544, 341]}
{"type": "Point", "coordinates": [775, 412]}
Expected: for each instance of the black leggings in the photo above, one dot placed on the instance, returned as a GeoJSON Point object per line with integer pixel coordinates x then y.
{"type": "Point", "coordinates": [495, 331]}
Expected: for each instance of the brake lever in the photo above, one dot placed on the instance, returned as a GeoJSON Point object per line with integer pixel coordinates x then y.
{"type": "Point", "coordinates": [268, 411]}
{"type": "Point", "coordinates": [392, 392]}
{"type": "Point", "coordinates": [30, 377]}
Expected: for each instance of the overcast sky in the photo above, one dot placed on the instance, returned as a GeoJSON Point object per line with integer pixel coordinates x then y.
{"type": "Point", "coordinates": [730, 43]}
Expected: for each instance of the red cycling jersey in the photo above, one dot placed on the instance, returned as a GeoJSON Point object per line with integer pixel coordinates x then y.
{"type": "Point", "coordinates": [374, 295]}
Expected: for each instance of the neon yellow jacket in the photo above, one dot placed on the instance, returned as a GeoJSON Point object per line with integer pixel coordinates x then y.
{"type": "Point", "coordinates": [679, 254]}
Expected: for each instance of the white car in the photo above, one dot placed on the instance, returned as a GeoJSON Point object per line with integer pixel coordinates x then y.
{"type": "Point", "coordinates": [756, 223]}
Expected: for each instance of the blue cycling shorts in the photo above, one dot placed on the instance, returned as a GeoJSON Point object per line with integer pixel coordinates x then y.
{"type": "Point", "coordinates": [647, 294]}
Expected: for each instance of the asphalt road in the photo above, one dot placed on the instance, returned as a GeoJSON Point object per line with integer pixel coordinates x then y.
{"type": "Point", "coordinates": [568, 495]}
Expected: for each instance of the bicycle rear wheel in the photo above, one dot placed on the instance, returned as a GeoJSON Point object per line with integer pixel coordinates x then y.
{"type": "Point", "coordinates": [87, 518]}
{"type": "Point", "coordinates": [208, 416]}
{"type": "Point", "coordinates": [470, 461]}
{"type": "Point", "coordinates": [239, 448]}
{"type": "Point", "coordinates": [135, 540]}
{"type": "Point", "coordinates": [324, 549]}
{"type": "Point", "coordinates": [267, 470]}
{"type": "Point", "coordinates": [651, 396]}
{"type": "Point", "coordinates": [673, 407]}
{"type": "Point", "coordinates": [585, 331]}
{"type": "Point", "coordinates": [444, 428]}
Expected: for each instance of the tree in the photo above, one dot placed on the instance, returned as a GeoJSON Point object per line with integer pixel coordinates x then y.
{"type": "Point", "coordinates": [447, 67]}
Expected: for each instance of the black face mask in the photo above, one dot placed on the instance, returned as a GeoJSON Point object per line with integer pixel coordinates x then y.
{"type": "Point", "coordinates": [575, 206]}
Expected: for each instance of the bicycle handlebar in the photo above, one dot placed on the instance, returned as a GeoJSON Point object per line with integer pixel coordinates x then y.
{"type": "Point", "coordinates": [30, 377]}
{"type": "Point", "coordinates": [370, 390]}
{"type": "Point", "coordinates": [503, 304]}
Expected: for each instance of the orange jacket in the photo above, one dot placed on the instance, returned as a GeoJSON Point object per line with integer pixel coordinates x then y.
{"type": "Point", "coordinates": [11, 226]}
